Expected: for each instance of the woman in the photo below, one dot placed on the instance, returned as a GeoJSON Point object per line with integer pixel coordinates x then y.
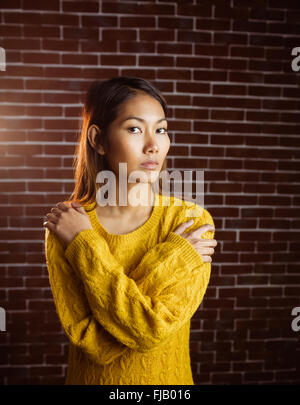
{"type": "Point", "coordinates": [126, 278]}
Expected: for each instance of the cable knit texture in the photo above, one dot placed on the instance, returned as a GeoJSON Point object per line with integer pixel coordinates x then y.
{"type": "Point", "coordinates": [125, 301]}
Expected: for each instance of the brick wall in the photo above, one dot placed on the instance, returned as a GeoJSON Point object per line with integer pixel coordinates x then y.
{"type": "Point", "coordinates": [225, 69]}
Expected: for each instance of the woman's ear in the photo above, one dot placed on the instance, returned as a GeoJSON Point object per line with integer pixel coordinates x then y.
{"type": "Point", "coordinates": [93, 131]}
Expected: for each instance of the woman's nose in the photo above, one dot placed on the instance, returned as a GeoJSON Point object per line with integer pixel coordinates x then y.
{"type": "Point", "coordinates": [151, 141]}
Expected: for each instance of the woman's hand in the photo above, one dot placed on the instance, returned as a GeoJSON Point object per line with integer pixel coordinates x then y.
{"type": "Point", "coordinates": [205, 247]}
{"type": "Point", "coordinates": [66, 221]}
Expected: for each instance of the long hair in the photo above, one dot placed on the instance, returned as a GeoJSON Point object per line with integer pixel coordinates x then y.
{"type": "Point", "coordinates": [102, 105]}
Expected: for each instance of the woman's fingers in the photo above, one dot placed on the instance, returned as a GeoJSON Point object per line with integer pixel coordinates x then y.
{"type": "Point", "coordinates": [200, 231]}
{"type": "Point", "coordinates": [182, 227]}
{"type": "Point", "coordinates": [50, 225]}
{"type": "Point", "coordinates": [207, 251]}
{"type": "Point", "coordinates": [205, 247]}
{"type": "Point", "coordinates": [59, 208]}
{"type": "Point", "coordinates": [206, 259]}
{"type": "Point", "coordinates": [196, 232]}
{"type": "Point", "coordinates": [206, 242]}
{"type": "Point", "coordinates": [55, 214]}
{"type": "Point", "coordinates": [56, 211]}
{"type": "Point", "coordinates": [62, 206]}
{"type": "Point", "coordinates": [53, 218]}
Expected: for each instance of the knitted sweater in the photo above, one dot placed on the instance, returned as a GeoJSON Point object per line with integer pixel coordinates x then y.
{"type": "Point", "coordinates": [125, 301]}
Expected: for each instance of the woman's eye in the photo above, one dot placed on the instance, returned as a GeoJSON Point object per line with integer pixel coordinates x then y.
{"type": "Point", "coordinates": [132, 128]}
{"type": "Point", "coordinates": [165, 130]}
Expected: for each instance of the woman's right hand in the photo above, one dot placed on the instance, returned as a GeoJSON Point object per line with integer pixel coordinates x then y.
{"type": "Point", "coordinates": [205, 247]}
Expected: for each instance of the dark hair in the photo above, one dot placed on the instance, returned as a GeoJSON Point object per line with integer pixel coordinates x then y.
{"type": "Point", "coordinates": [101, 108]}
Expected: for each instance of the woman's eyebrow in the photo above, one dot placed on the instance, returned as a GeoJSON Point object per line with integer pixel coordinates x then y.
{"type": "Point", "coordinates": [140, 119]}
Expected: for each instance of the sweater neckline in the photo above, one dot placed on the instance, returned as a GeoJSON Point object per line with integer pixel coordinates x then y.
{"type": "Point", "coordinates": [137, 233]}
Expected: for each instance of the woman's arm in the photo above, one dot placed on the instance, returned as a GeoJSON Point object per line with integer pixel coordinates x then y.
{"type": "Point", "coordinates": [73, 309]}
{"type": "Point", "coordinates": [162, 293]}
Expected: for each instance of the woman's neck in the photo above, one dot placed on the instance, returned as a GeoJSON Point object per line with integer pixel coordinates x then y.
{"type": "Point", "coordinates": [144, 197]}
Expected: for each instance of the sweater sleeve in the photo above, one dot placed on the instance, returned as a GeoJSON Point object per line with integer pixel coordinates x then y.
{"type": "Point", "coordinates": [162, 293]}
{"type": "Point", "coordinates": [72, 307]}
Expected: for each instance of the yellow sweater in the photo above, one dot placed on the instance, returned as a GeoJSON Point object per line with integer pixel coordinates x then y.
{"type": "Point", "coordinates": [125, 301]}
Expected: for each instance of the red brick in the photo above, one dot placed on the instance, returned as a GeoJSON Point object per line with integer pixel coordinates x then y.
{"type": "Point", "coordinates": [229, 89]}
{"type": "Point", "coordinates": [99, 21]}
{"type": "Point", "coordinates": [263, 236]}
{"type": "Point", "coordinates": [230, 38]}
{"type": "Point", "coordinates": [80, 33]}
{"type": "Point", "coordinates": [41, 32]}
{"type": "Point", "coordinates": [192, 36]}
{"type": "Point", "coordinates": [79, 59]}
{"type": "Point", "coordinates": [118, 34]}
{"type": "Point", "coordinates": [139, 47]}
{"type": "Point", "coordinates": [43, 58]}
{"type": "Point", "coordinates": [204, 49]}
{"type": "Point", "coordinates": [78, 6]}
{"type": "Point", "coordinates": [35, 5]}
{"type": "Point", "coordinates": [13, 43]}
{"type": "Point", "coordinates": [58, 45]}
{"type": "Point", "coordinates": [198, 10]}
{"type": "Point", "coordinates": [175, 74]}
{"type": "Point", "coordinates": [213, 25]}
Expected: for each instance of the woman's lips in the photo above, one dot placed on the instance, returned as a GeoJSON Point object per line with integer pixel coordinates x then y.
{"type": "Point", "coordinates": [150, 166]}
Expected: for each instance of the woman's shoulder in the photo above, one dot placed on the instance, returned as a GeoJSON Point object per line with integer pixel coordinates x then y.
{"type": "Point", "coordinates": [178, 205]}
{"type": "Point", "coordinates": [87, 205]}
{"type": "Point", "coordinates": [181, 210]}
{"type": "Point", "coordinates": [178, 210]}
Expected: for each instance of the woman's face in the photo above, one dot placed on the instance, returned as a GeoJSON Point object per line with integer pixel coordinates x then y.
{"type": "Point", "coordinates": [133, 142]}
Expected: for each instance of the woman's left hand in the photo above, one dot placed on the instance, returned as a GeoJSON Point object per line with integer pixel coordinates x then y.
{"type": "Point", "coordinates": [66, 221]}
